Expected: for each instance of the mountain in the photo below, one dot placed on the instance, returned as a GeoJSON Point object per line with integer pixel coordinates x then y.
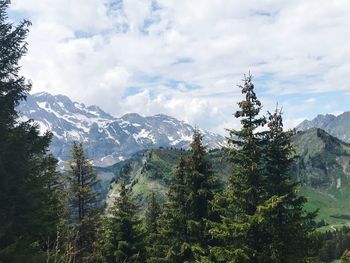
{"type": "Point", "coordinates": [322, 167]}
{"type": "Point", "coordinates": [107, 139]}
{"type": "Point", "coordinates": [324, 161]}
{"type": "Point", "coordinates": [338, 126]}
{"type": "Point", "coordinates": [151, 171]}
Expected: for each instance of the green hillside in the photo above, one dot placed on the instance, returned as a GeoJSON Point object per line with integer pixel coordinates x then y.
{"type": "Point", "coordinates": [322, 167]}
{"type": "Point", "coordinates": [324, 170]}
{"type": "Point", "coordinates": [151, 171]}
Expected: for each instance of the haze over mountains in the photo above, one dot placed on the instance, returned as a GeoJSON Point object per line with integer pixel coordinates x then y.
{"type": "Point", "coordinates": [107, 139]}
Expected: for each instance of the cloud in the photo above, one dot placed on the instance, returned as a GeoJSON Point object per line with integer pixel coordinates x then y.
{"type": "Point", "coordinates": [184, 58]}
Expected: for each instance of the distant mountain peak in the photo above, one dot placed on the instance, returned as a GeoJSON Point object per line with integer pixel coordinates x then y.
{"type": "Point", "coordinates": [107, 139]}
{"type": "Point", "coordinates": [338, 126]}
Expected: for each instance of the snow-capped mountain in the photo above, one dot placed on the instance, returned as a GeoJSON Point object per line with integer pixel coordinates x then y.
{"type": "Point", "coordinates": [107, 139]}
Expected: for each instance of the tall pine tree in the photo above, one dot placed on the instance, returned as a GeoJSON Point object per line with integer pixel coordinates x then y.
{"type": "Point", "coordinates": [174, 219]}
{"type": "Point", "coordinates": [152, 230]}
{"type": "Point", "coordinates": [200, 185]}
{"type": "Point", "coordinates": [188, 207]}
{"type": "Point", "coordinates": [287, 223]}
{"type": "Point", "coordinates": [240, 237]}
{"type": "Point", "coordinates": [28, 201]}
{"type": "Point", "coordinates": [123, 237]}
{"type": "Point", "coordinates": [262, 217]}
{"type": "Point", "coordinates": [83, 216]}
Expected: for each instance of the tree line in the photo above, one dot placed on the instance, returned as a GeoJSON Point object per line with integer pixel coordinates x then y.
{"type": "Point", "coordinates": [47, 216]}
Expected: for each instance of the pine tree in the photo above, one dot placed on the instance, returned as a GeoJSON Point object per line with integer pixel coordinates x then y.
{"type": "Point", "coordinates": [239, 235]}
{"type": "Point", "coordinates": [152, 230]}
{"type": "Point", "coordinates": [83, 208]}
{"type": "Point", "coordinates": [200, 184]}
{"type": "Point", "coordinates": [123, 237]}
{"type": "Point", "coordinates": [191, 190]}
{"type": "Point", "coordinates": [174, 219]}
{"type": "Point", "coordinates": [262, 217]}
{"type": "Point", "coordinates": [287, 223]}
{"type": "Point", "coordinates": [28, 200]}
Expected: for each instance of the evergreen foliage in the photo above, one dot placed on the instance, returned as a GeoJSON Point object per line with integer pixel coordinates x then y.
{"type": "Point", "coordinates": [239, 235]}
{"type": "Point", "coordinates": [262, 218]}
{"type": "Point", "coordinates": [200, 185]}
{"type": "Point", "coordinates": [152, 230]}
{"type": "Point", "coordinates": [174, 228]}
{"type": "Point", "coordinates": [259, 217]}
{"type": "Point", "coordinates": [191, 190]}
{"type": "Point", "coordinates": [333, 244]}
{"type": "Point", "coordinates": [123, 237]}
{"type": "Point", "coordinates": [83, 219]}
{"type": "Point", "coordinates": [28, 197]}
{"type": "Point", "coordinates": [288, 225]}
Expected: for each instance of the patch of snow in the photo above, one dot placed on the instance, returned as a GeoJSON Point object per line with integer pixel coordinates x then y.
{"type": "Point", "coordinates": [61, 104]}
{"type": "Point", "coordinates": [144, 134]}
{"type": "Point", "coordinates": [338, 183]}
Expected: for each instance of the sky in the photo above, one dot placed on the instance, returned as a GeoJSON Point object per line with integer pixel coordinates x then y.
{"type": "Point", "coordinates": [185, 58]}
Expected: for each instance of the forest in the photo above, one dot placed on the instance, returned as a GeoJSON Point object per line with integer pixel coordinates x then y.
{"type": "Point", "coordinates": [48, 215]}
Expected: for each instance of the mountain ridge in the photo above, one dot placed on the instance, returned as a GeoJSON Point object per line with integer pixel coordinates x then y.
{"type": "Point", "coordinates": [338, 126]}
{"type": "Point", "coordinates": [322, 168]}
{"type": "Point", "coordinates": [107, 139]}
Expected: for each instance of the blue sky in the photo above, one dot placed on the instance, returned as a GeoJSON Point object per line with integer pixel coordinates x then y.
{"type": "Point", "coordinates": [185, 58]}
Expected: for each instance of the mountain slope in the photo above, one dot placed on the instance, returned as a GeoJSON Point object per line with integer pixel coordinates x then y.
{"type": "Point", "coordinates": [151, 171]}
{"type": "Point", "coordinates": [323, 160]}
{"type": "Point", "coordinates": [338, 126]}
{"type": "Point", "coordinates": [107, 139]}
{"type": "Point", "coordinates": [323, 168]}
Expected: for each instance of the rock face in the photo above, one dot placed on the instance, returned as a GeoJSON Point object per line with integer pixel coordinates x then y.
{"type": "Point", "coordinates": [107, 139]}
{"type": "Point", "coordinates": [338, 126]}
{"type": "Point", "coordinates": [324, 161]}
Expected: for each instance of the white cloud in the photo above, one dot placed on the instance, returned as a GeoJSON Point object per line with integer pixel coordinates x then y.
{"type": "Point", "coordinates": [185, 57]}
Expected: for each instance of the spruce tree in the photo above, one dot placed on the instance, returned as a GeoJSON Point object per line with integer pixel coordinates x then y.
{"type": "Point", "coordinates": [188, 208]}
{"type": "Point", "coordinates": [152, 230]}
{"type": "Point", "coordinates": [174, 230]}
{"type": "Point", "coordinates": [123, 237]}
{"type": "Point", "coordinates": [262, 217]}
{"type": "Point", "coordinates": [200, 184]}
{"type": "Point", "coordinates": [239, 234]}
{"type": "Point", "coordinates": [28, 200]}
{"type": "Point", "coordinates": [83, 208]}
{"type": "Point", "coordinates": [287, 223]}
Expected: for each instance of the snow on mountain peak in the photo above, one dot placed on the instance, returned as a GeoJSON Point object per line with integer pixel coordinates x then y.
{"type": "Point", "coordinates": [107, 139]}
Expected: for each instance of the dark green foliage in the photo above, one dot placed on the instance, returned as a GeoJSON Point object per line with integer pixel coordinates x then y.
{"type": "Point", "coordinates": [123, 237]}
{"type": "Point", "coordinates": [83, 214]}
{"type": "Point", "coordinates": [188, 207]}
{"type": "Point", "coordinates": [262, 217]}
{"type": "Point", "coordinates": [28, 200]}
{"type": "Point", "coordinates": [200, 184]}
{"type": "Point", "coordinates": [288, 225]}
{"type": "Point", "coordinates": [153, 231]}
{"type": "Point", "coordinates": [173, 223]}
{"type": "Point", "coordinates": [333, 244]}
{"type": "Point", "coordinates": [13, 88]}
{"type": "Point", "coordinates": [239, 235]}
